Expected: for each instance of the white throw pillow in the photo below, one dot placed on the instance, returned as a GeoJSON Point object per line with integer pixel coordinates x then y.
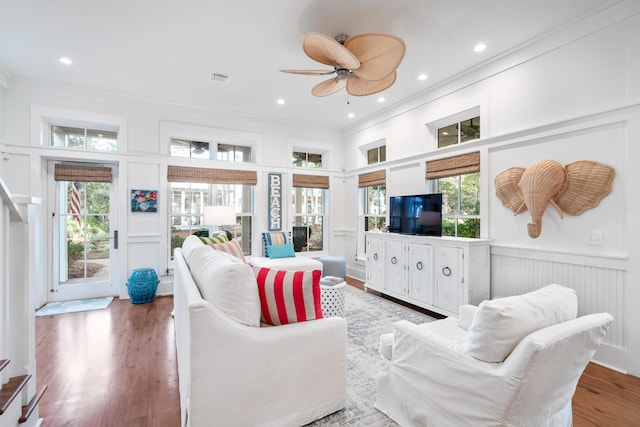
{"type": "Point", "coordinates": [189, 244]}
{"type": "Point", "coordinates": [500, 324]}
{"type": "Point", "coordinates": [227, 283]}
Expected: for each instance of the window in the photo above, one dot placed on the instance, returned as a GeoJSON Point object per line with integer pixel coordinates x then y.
{"type": "Point", "coordinates": [191, 149]}
{"type": "Point", "coordinates": [83, 138]}
{"type": "Point", "coordinates": [373, 205]}
{"type": "Point", "coordinates": [377, 155]}
{"type": "Point", "coordinates": [308, 206]}
{"type": "Point", "coordinates": [306, 160]}
{"type": "Point", "coordinates": [194, 188]}
{"type": "Point", "coordinates": [457, 133]}
{"type": "Point", "coordinates": [233, 153]}
{"type": "Point", "coordinates": [458, 179]}
{"type": "Point", "coordinates": [202, 150]}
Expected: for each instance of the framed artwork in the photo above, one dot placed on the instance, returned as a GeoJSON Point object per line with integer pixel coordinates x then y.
{"type": "Point", "coordinates": [144, 200]}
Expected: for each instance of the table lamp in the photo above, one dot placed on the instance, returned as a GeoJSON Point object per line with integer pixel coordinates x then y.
{"type": "Point", "coordinates": [219, 215]}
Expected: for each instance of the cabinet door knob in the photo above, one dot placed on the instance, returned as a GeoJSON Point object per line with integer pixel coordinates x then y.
{"type": "Point", "coordinates": [419, 265]}
{"type": "Point", "coordinates": [375, 257]}
{"type": "Point", "coordinates": [394, 260]}
{"type": "Point", "coordinates": [446, 271]}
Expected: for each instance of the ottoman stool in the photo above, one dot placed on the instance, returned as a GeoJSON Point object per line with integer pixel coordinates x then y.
{"type": "Point", "coordinates": [332, 296]}
{"type": "Point", "coordinates": [333, 266]}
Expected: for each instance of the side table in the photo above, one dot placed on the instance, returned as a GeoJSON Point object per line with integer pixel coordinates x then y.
{"type": "Point", "coordinates": [332, 296]}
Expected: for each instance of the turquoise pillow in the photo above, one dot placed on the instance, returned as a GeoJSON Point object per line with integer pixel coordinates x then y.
{"type": "Point", "coordinates": [281, 251]}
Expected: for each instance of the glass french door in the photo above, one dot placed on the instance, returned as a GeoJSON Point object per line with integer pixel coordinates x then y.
{"type": "Point", "coordinates": [85, 240]}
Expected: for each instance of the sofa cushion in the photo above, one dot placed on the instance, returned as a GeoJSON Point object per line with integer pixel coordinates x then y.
{"type": "Point", "coordinates": [289, 296]}
{"type": "Point", "coordinates": [227, 283]}
{"type": "Point", "coordinates": [231, 247]}
{"type": "Point", "coordinates": [189, 244]}
{"type": "Point", "coordinates": [281, 251]}
{"type": "Point", "coordinates": [500, 324]}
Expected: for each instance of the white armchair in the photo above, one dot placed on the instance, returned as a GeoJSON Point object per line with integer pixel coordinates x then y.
{"type": "Point", "coordinates": [438, 373]}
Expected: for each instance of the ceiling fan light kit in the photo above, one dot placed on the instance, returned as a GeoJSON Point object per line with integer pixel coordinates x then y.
{"type": "Point", "coordinates": [364, 64]}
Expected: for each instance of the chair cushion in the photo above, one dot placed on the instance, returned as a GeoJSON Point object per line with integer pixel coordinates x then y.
{"type": "Point", "coordinates": [227, 283]}
{"type": "Point", "coordinates": [289, 296]}
{"type": "Point", "coordinates": [231, 247]}
{"type": "Point", "coordinates": [281, 251]}
{"type": "Point", "coordinates": [500, 324]}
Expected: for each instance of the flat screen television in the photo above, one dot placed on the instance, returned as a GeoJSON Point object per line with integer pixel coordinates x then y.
{"type": "Point", "coordinates": [419, 214]}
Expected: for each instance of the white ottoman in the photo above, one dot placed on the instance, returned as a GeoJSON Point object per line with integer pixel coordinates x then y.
{"type": "Point", "coordinates": [332, 296]}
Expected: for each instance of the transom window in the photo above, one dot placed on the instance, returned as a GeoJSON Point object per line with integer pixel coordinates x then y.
{"type": "Point", "coordinates": [233, 153]}
{"type": "Point", "coordinates": [188, 148]}
{"type": "Point", "coordinates": [306, 160]}
{"type": "Point", "coordinates": [84, 138]}
{"type": "Point", "coordinates": [457, 133]}
{"type": "Point", "coordinates": [377, 155]}
{"type": "Point", "coordinates": [202, 150]}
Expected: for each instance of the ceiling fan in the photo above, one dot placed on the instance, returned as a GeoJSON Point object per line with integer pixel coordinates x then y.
{"type": "Point", "coordinates": [365, 64]}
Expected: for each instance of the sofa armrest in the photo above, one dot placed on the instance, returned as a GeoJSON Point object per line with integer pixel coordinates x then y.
{"type": "Point", "coordinates": [293, 365]}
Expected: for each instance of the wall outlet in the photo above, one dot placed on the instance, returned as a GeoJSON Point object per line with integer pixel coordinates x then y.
{"type": "Point", "coordinates": [595, 238]}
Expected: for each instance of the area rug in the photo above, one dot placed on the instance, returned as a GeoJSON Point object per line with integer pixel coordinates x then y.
{"type": "Point", "coordinates": [74, 306]}
{"type": "Point", "coordinates": [368, 316]}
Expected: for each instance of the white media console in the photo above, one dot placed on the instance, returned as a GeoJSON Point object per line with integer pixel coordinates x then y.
{"type": "Point", "coordinates": [436, 273]}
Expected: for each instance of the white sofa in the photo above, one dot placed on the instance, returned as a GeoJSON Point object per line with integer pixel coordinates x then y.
{"type": "Point", "coordinates": [231, 374]}
{"type": "Point", "coordinates": [511, 361]}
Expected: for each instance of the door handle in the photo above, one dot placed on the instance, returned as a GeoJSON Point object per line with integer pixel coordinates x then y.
{"type": "Point", "coordinates": [115, 239]}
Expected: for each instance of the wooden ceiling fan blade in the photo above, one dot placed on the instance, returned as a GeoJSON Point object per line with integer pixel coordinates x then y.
{"type": "Point", "coordinates": [310, 72]}
{"type": "Point", "coordinates": [379, 54]}
{"type": "Point", "coordinates": [361, 87]}
{"type": "Point", "coordinates": [328, 51]}
{"type": "Point", "coordinates": [328, 87]}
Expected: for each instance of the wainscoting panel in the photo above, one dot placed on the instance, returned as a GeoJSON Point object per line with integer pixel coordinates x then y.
{"type": "Point", "coordinates": [144, 254]}
{"type": "Point", "coordinates": [600, 288]}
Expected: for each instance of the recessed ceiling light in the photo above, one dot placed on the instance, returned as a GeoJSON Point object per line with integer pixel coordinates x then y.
{"type": "Point", "coordinates": [479, 47]}
{"type": "Point", "coordinates": [422, 77]}
{"type": "Point", "coordinates": [381, 99]}
{"type": "Point", "coordinates": [280, 101]}
{"type": "Point", "coordinates": [65, 60]}
{"type": "Point", "coordinates": [351, 115]}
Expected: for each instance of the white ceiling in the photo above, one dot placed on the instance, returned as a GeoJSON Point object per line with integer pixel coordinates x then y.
{"type": "Point", "coordinates": [166, 49]}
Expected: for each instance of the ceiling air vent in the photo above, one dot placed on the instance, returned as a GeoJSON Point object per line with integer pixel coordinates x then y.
{"type": "Point", "coordinates": [219, 78]}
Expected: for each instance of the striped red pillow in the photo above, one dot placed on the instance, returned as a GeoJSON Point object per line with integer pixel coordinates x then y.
{"type": "Point", "coordinates": [231, 247]}
{"type": "Point", "coordinates": [289, 296]}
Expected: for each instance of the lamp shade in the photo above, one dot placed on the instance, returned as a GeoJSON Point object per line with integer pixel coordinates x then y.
{"type": "Point", "coordinates": [219, 215]}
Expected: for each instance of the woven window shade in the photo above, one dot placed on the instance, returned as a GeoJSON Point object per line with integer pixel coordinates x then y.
{"type": "Point", "coordinates": [310, 181]}
{"type": "Point", "coordinates": [81, 173]}
{"type": "Point", "coordinates": [372, 178]}
{"type": "Point", "coordinates": [457, 165]}
{"type": "Point", "coordinates": [211, 176]}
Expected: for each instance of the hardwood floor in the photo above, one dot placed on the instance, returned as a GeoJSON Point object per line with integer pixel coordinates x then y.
{"type": "Point", "coordinates": [117, 367]}
{"type": "Point", "coordinates": [113, 367]}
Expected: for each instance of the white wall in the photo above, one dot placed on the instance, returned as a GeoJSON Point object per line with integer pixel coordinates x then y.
{"type": "Point", "coordinates": [142, 163]}
{"type": "Point", "coordinates": [574, 97]}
